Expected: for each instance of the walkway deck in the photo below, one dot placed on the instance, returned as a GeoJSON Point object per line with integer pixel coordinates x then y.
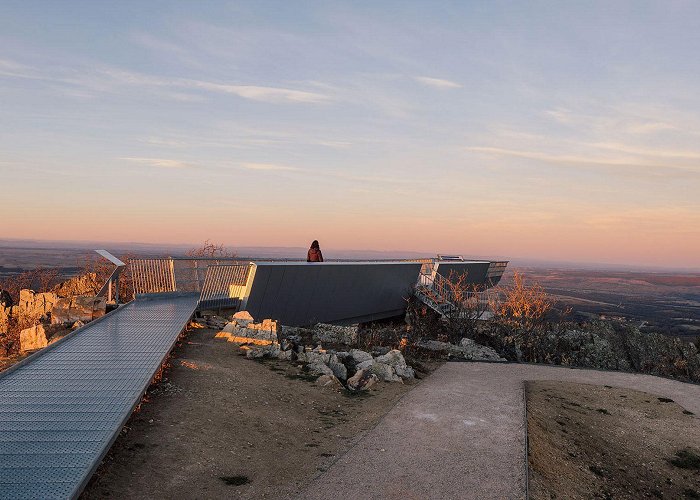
{"type": "Point", "coordinates": [461, 434]}
{"type": "Point", "coordinates": [61, 410]}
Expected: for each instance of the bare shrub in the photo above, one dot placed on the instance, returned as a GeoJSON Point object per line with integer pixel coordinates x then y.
{"type": "Point", "coordinates": [41, 279]}
{"type": "Point", "coordinates": [211, 250]}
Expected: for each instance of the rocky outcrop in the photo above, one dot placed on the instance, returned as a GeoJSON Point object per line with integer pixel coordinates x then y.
{"type": "Point", "coordinates": [242, 326]}
{"type": "Point", "coordinates": [467, 350]}
{"type": "Point", "coordinates": [86, 284]}
{"type": "Point", "coordinates": [332, 334]}
{"type": "Point", "coordinates": [33, 338]}
{"type": "Point", "coordinates": [70, 310]}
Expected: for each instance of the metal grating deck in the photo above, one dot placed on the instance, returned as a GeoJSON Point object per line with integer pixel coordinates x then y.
{"type": "Point", "coordinates": [61, 410]}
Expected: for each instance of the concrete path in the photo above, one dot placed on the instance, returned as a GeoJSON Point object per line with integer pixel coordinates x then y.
{"type": "Point", "coordinates": [461, 434]}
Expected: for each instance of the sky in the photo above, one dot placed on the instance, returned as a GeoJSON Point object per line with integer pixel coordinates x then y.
{"type": "Point", "coordinates": [551, 130]}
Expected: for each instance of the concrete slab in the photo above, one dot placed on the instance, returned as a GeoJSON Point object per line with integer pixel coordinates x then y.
{"type": "Point", "coordinates": [461, 434]}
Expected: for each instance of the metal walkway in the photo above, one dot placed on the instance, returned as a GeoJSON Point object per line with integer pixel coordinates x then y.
{"type": "Point", "coordinates": [62, 408]}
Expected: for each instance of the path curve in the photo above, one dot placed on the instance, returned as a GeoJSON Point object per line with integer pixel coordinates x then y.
{"type": "Point", "coordinates": [461, 434]}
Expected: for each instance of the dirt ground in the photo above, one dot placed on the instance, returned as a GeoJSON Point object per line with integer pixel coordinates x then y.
{"type": "Point", "coordinates": [588, 441]}
{"type": "Point", "coordinates": [222, 426]}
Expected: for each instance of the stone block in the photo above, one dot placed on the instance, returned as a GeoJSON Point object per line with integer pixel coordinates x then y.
{"type": "Point", "coordinates": [33, 338]}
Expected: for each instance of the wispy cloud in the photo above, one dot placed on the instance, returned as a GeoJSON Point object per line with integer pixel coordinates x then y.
{"type": "Point", "coordinates": [159, 162]}
{"type": "Point", "coordinates": [269, 166]}
{"type": "Point", "coordinates": [628, 165]}
{"type": "Point", "coordinates": [258, 93]}
{"type": "Point", "coordinates": [437, 83]}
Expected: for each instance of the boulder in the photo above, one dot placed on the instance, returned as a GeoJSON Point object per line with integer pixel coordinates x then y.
{"type": "Point", "coordinates": [362, 380]}
{"type": "Point", "coordinates": [329, 381]}
{"type": "Point", "coordinates": [359, 356]}
{"type": "Point", "coordinates": [242, 318]}
{"type": "Point", "coordinates": [339, 369]}
{"type": "Point", "coordinates": [364, 365]}
{"type": "Point", "coordinates": [317, 357]}
{"type": "Point", "coordinates": [33, 338]}
{"type": "Point", "coordinates": [285, 355]}
{"type": "Point", "coordinates": [384, 372]}
{"type": "Point", "coordinates": [333, 334]}
{"type": "Point", "coordinates": [477, 352]}
{"type": "Point", "coordinates": [259, 352]}
{"type": "Point", "coordinates": [395, 359]}
{"type": "Point", "coordinates": [77, 324]}
{"type": "Point", "coordinates": [26, 296]}
{"type": "Point", "coordinates": [318, 369]}
{"type": "Point", "coordinates": [70, 310]}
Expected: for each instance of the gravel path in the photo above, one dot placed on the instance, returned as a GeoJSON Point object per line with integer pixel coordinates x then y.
{"type": "Point", "coordinates": [461, 434]}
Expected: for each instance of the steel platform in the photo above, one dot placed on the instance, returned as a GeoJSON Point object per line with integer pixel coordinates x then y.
{"type": "Point", "coordinates": [62, 408]}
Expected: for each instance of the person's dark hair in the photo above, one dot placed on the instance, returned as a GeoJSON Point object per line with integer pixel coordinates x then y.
{"type": "Point", "coordinates": [314, 244]}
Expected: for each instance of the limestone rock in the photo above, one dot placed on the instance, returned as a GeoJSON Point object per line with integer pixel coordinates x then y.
{"type": "Point", "coordinates": [339, 369]}
{"type": "Point", "coordinates": [364, 365]}
{"type": "Point", "coordinates": [33, 338]}
{"type": "Point", "coordinates": [83, 308]}
{"type": "Point", "coordinates": [395, 359]}
{"type": "Point", "coordinates": [242, 318]}
{"type": "Point", "coordinates": [384, 372]}
{"type": "Point", "coordinates": [362, 380]}
{"type": "Point", "coordinates": [318, 369]}
{"type": "Point", "coordinates": [359, 356]}
{"type": "Point", "coordinates": [259, 352]}
{"type": "Point", "coordinates": [477, 352]}
{"type": "Point", "coordinates": [333, 334]}
{"type": "Point", "coordinates": [329, 381]}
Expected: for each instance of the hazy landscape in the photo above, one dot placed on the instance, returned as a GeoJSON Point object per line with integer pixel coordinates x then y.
{"type": "Point", "coordinates": [664, 301]}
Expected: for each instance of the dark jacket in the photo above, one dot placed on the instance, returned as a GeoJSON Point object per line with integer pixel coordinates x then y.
{"type": "Point", "coordinates": [314, 255]}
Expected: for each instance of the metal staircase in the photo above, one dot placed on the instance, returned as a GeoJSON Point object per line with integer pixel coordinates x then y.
{"type": "Point", "coordinates": [434, 291]}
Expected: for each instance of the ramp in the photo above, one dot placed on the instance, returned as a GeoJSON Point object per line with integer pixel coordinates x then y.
{"type": "Point", "coordinates": [62, 408]}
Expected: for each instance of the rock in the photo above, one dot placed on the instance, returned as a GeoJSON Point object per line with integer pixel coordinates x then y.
{"type": "Point", "coordinates": [384, 372]}
{"type": "Point", "coordinates": [405, 371]}
{"type": "Point", "coordinates": [477, 352]}
{"type": "Point", "coordinates": [243, 327]}
{"type": "Point", "coordinates": [265, 351]}
{"type": "Point", "coordinates": [33, 338]}
{"type": "Point", "coordinates": [364, 365]}
{"type": "Point", "coordinates": [328, 380]}
{"type": "Point", "coordinates": [339, 369]}
{"type": "Point", "coordinates": [380, 350]}
{"type": "Point", "coordinates": [468, 350]}
{"type": "Point", "coordinates": [317, 358]}
{"type": "Point", "coordinates": [87, 284]}
{"type": "Point", "coordinates": [395, 359]}
{"type": "Point", "coordinates": [242, 318]}
{"type": "Point", "coordinates": [77, 324]}
{"type": "Point", "coordinates": [26, 296]}
{"type": "Point", "coordinates": [362, 380]}
{"type": "Point", "coordinates": [285, 355]}
{"type": "Point", "coordinates": [70, 310]}
{"type": "Point", "coordinates": [359, 356]}
{"type": "Point", "coordinates": [333, 334]}
{"type": "Point", "coordinates": [318, 369]}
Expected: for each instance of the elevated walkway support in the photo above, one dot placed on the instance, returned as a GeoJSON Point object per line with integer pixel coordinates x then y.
{"type": "Point", "coordinates": [62, 408]}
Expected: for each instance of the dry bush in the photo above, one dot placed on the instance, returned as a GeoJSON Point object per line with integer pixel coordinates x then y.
{"type": "Point", "coordinates": [211, 250]}
{"type": "Point", "coordinates": [41, 280]}
{"type": "Point", "coordinates": [102, 269]}
{"type": "Point", "coordinates": [470, 302]}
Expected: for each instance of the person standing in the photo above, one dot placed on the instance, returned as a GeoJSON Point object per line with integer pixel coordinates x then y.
{"type": "Point", "coordinates": [314, 254]}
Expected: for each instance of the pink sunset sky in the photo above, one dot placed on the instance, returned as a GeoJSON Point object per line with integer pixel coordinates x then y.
{"type": "Point", "coordinates": [564, 132]}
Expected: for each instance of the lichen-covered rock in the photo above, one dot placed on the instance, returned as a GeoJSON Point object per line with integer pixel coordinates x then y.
{"type": "Point", "coordinates": [472, 351]}
{"type": "Point", "coordinates": [384, 372]}
{"type": "Point", "coordinates": [339, 369]}
{"type": "Point", "coordinates": [359, 356]}
{"type": "Point", "coordinates": [333, 334]}
{"type": "Point", "coordinates": [33, 338]}
{"type": "Point", "coordinates": [395, 359]}
{"type": "Point", "coordinates": [318, 369]}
